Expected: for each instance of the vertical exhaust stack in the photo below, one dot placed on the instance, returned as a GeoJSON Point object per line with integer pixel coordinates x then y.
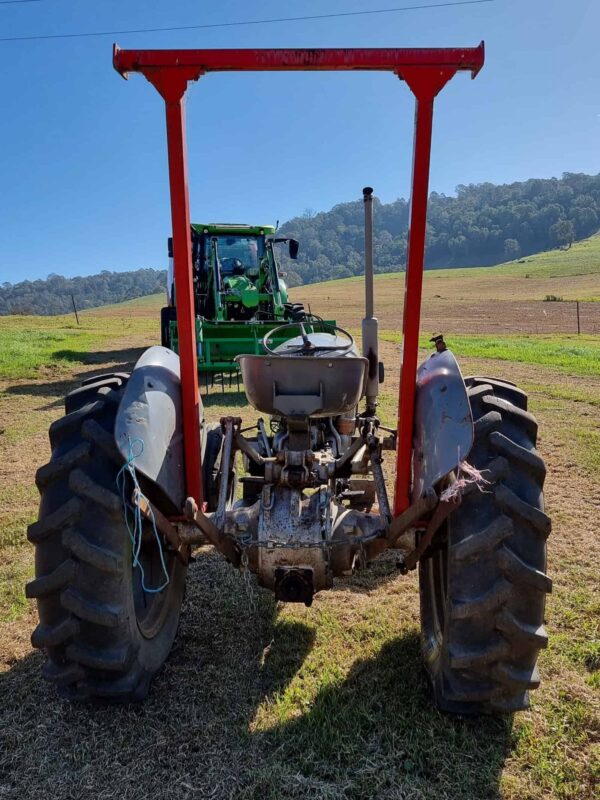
{"type": "Point", "coordinates": [370, 338]}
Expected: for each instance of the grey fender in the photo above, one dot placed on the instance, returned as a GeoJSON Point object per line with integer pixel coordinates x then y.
{"type": "Point", "coordinates": [149, 423]}
{"type": "Point", "coordinates": [443, 430]}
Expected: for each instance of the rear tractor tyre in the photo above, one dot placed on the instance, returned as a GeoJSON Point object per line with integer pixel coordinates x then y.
{"type": "Point", "coordinates": [295, 312]}
{"type": "Point", "coordinates": [483, 587]}
{"type": "Point", "coordinates": [211, 468]}
{"type": "Point", "coordinates": [104, 637]}
{"type": "Point", "coordinates": [168, 314]}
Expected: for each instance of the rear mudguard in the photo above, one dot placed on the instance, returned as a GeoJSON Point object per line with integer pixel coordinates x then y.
{"type": "Point", "coordinates": [443, 431]}
{"type": "Point", "coordinates": [148, 427]}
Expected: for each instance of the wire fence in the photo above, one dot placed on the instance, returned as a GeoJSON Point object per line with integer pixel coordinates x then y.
{"type": "Point", "coordinates": [513, 316]}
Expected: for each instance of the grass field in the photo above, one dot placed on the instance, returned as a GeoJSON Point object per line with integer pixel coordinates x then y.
{"type": "Point", "coordinates": [572, 274]}
{"type": "Point", "coordinates": [503, 299]}
{"type": "Point", "coordinates": [55, 344]}
{"type": "Point", "coordinates": [578, 355]}
{"type": "Point", "coordinates": [261, 701]}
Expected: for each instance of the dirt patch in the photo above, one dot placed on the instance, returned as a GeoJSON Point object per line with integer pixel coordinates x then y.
{"type": "Point", "coordinates": [453, 312]}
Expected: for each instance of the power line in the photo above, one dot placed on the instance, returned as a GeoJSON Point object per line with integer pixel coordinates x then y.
{"type": "Point", "coordinates": [234, 24]}
{"type": "Point", "coordinates": [16, 2]}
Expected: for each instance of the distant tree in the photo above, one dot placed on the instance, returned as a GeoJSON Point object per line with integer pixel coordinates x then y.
{"type": "Point", "coordinates": [512, 249]}
{"type": "Point", "coordinates": [585, 219]}
{"type": "Point", "coordinates": [563, 233]}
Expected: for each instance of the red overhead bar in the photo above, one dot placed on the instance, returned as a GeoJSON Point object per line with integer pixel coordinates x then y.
{"type": "Point", "coordinates": [374, 58]}
{"type": "Point", "coordinates": [426, 71]}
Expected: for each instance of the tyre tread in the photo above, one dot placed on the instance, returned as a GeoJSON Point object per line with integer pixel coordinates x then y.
{"type": "Point", "coordinates": [87, 628]}
{"type": "Point", "coordinates": [496, 549]}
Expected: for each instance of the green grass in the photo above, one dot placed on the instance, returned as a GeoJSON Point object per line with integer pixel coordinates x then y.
{"type": "Point", "coordinates": [574, 394]}
{"type": "Point", "coordinates": [151, 303]}
{"type": "Point", "coordinates": [572, 274]}
{"type": "Point", "coordinates": [577, 355]}
{"type": "Point", "coordinates": [23, 351]}
{"type": "Point", "coordinates": [57, 343]}
{"type": "Point", "coordinates": [583, 258]}
{"type": "Point", "coordinates": [588, 446]}
{"type": "Point", "coordinates": [568, 725]}
{"type": "Point", "coordinates": [14, 574]}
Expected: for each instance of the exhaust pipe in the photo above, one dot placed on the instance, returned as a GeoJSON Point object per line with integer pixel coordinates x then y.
{"type": "Point", "coordinates": [370, 337]}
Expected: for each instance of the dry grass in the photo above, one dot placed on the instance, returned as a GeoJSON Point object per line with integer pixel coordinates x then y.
{"type": "Point", "coordinates": [328, 702]}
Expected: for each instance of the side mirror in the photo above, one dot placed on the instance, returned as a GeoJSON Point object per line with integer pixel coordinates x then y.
{"type": "Point", "coordinates": [293, 244]}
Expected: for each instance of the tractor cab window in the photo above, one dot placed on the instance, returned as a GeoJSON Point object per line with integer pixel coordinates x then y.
{"type": "Point", "coordinates": [239, 255]}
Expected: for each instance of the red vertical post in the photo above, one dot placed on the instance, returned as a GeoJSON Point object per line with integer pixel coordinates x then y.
{"type": "Point", "coordinates": [172, 85]}
{"type": "Point", "coordinates": [425, 83]}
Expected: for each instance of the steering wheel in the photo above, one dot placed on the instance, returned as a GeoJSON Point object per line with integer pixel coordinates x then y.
{"type": "Point", "coordinates": [307, 348]}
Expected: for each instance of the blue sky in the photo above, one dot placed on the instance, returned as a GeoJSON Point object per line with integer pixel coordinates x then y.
{"type": "Point", "coordinates": [83, 153]}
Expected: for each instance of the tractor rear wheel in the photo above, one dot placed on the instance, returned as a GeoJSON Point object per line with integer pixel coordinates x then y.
{"type": "Point", "coordinates": [103, 634]}
{"type": "Point", "coordinates": [483, 584]}
{"type": "Point", "coordinates": [295, 312]}
{"type": "Point", "coordinates": [168, 314]}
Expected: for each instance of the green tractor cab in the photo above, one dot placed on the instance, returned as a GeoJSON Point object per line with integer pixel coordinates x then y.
{"type": "Point", "coordinates": [240, 294]}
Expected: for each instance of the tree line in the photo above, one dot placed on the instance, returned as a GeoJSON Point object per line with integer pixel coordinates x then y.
{"type": "Point", "coordinates": [54, 295]}
{"type": "Point", "coordinates": [483, 224]}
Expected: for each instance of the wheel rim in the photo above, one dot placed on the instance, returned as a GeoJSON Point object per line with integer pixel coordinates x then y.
{"type": "Point", "coordinates": [439, 579]}
{"type": "Point", "coordinates": [151, 608]}
{"type": "Point", "coordinates": [434, 601]}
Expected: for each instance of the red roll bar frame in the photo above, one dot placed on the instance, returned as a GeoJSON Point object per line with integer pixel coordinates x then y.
{"type": "Point", "coordinates": [426, 71]}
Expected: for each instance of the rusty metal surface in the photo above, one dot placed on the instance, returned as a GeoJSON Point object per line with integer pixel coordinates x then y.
{"type": "Point", "coordinates": [288, 518]}
{"type": "Point", "coordinates": [408, 518]}
{"type": "Point", "coordinates": [226, 454]}
{"type": "Point", "coordinates": [216, 537]}
{"type": "Point", "coordinates": [443, 510]}
{"type": "Point", "coordinates": [443, 429]}
{"type": "Point", "coordinates": [168, 530]}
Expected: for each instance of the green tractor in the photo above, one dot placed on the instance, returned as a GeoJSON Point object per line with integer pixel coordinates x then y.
{"type": "Point", "coordinates": [240, 294]}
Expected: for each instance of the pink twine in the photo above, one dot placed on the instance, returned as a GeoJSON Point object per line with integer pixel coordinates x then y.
{"type": "Point", "coordinates": [466, 475]}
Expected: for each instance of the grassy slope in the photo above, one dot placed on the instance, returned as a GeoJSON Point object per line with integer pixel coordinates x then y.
{"type": "Point", "coordinates": [571, 274]}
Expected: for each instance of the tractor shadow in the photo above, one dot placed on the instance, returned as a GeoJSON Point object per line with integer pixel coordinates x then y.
{"type": "Point", "coordinates": [118, 360]}
{"type": "Point", "coordinates": [90, 364]}
{"type": "Point", "coordinates": [378, 734]}
{"type": "Point", "coordinates": [237, 713]}
{"type": "Point", "coordinates": [216, 398]}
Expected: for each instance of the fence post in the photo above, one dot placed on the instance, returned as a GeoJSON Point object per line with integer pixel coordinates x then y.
{"type": "Point", "coordinates": [75, 309]}
{"type": "Point", "coordinates": [578, 324]}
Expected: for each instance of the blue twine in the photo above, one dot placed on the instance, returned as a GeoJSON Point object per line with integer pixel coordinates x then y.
{"type": "Point", "coordinates": [136, 534]}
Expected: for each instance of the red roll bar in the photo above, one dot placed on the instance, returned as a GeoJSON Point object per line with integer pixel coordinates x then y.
{"type": "Point", "coordinates": [426, 71]}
